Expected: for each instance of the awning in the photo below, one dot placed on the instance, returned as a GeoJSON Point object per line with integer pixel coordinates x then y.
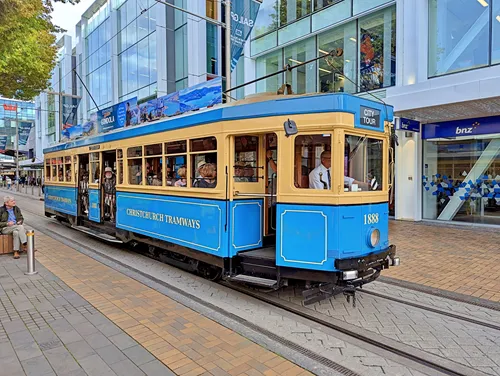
{"type": "Point", "coordinates": [34, 162]}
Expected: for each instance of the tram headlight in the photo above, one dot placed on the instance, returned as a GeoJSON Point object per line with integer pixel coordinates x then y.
{"type": "Point", "coordinates": [373, 237]}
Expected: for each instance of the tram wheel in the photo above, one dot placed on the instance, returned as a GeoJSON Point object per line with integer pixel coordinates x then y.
{"type": "Point", "coordinates": [210, 272]}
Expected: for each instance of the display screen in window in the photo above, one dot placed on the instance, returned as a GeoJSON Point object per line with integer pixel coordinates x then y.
{"type": "Point", "coordinates": [363, 164]}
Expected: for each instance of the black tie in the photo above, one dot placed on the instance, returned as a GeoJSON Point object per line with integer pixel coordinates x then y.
{"type": "Point", "coordinates": [329, 178]}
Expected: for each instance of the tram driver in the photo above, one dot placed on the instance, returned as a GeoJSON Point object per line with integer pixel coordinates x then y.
{"type": "Point", "coordinates": [320, 177]}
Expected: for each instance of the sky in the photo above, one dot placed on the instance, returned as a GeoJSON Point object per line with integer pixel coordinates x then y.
{"type": "Point", "coordinates": [67, 16]}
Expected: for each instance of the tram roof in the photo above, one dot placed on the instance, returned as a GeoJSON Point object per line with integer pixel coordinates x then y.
{"type": "Point", "coordinates": [263, 106]}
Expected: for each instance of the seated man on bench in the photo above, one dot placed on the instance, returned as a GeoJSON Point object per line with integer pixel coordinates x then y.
{"type": "Point", "coordinates": [11, 222]}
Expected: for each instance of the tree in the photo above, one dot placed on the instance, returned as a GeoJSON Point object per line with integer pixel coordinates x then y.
{"type": "Point", "coordinates": [27, 47]}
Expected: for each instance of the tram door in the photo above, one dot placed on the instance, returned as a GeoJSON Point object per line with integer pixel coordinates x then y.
{"type": "Point", "coordinates": [252, 190]}
{"type": "Point", "coordinates": [83, 185]}
{"type": "Point", "coordinates": [108, 186]}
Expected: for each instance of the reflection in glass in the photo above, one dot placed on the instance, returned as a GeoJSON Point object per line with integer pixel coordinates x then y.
{"type": "Point", "coordinates": [212, 48]}
{"type": "Point", "coordinates": [291, 10]}
{"type": "Point", "coordinates": [495, 33]}
{"type": "Point", "coordinates": [458, 35]}
{"type": "Point", "coordinates": [457, 183]}
{"type": "Point", "coordinates": [331, 76]}
{"type": "Point", "coordinates": [269, 64]}
{"type": "Point", "coordinates": [363, 161]}
{"type": "Point", "coordinates": [331, 15]}
{"type": "Point", "coordinates": [377, 46]}
{"type": "Point", "coordinates": [360, 6]}
{"type": "Point", "coordinates": [302, 79]}
{"type": "Point", "coordinates": [267, 18]}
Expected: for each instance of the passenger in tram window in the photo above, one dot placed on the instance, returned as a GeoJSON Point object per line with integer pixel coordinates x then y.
{"type": "Point", "coordinates": [181, 172]}
{"type": "Point", "coordinates": [60, 174]}
{"type": "Point", "coordinates": [208, 173]}
{"type": "Point", "coordinates": [208, 144]}
{"type": "Point", "coordinates": [249, 173]}
{"type": "Point", "coordinates": [239, 172]}
{"type": "Point", "coordinates": [169, 176]}
{"type": "Point", "coordinates": [156, 181]}
{"type": "Point", "coordinates": [138, 175]}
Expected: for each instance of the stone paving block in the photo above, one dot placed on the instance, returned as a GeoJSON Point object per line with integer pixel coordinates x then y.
{"type": "Point", "coordinates": [27, 351]}
{"type": "Point", "coordinates": [11, 366]}
{"type": "Point", "coordinates": [138, 355]}
{"type": "Point", "coordinates": [122, 341]}
{"type": "Point", "coordinates": [97, 340]}
{"type": "Point", "coordinates": [70, 336]}
{"type": "Point", "coordinates": [80, 350]}
{"type": "Point", "coordinates": [111, 354]}
{"type": "Point", "coordinates": [126, 368]}
{"type": "Point", "coordinates": [14, 326]}
{"type": "Point", "coordinates": [155, 367]}
{"type": "Point", "coordinates": [61, 360]}
{"type": "Point", "coordinates": [109, 329]}
{"type": "Point", "coordinates": [95, 366]}
{"type": "Point", "coordinates": [85, 328]}
{"type": "Point", "coordinates": [6, 350]}
{"type": "Point", "coordinates": [38, 366]}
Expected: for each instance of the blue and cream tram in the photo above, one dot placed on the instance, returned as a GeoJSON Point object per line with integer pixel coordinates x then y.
{"type": "Point", "coordinates": [262, 191]}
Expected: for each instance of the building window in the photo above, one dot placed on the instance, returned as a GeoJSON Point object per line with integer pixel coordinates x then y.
{"type": "Point", "coordinates": [495, 33]}
{"type": "Point", "coordinates": [312, 167]}
{"type": "Point", "coordinates": [461, 180]}
{"type": "Point", "coordinates": [212, 48]}
{"type": "Point", "coordinates": [360, 6]}
{"type": "Point", "coordinates": [246, 159]}
{"type": "Point", "coordinates": [302, 79]}
{"type": "Point", "coordinates": [338, 74]}
{"type": "Point", "coordinates": [458, 35]}
{"type": "Point", "coordinates": [267, 18]}
{"type": "Point", "coordinates": [268, 64]}
{"type": "Point", "coordinates": [291, 10]}
{"type": "Point", "coordinates": [203, 153]}
{"type": "Point", "coordinates": [363, 162]}
{"type": "Point", "coordinates": [377, 49]}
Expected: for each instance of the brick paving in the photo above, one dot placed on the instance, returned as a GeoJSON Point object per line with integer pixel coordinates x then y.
{"type": "Point", "coordinates": [187, 342]}
{"type": "Point", "coordinates": [460, 259]}
{"type": "Point", "coordinates": [48, 329]}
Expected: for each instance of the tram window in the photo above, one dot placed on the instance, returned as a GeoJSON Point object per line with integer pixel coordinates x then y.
{"type": "Point", "coordinates": [53, 167]}
{"type": "Point", "coordinates": [175, 170]}
{"type": "Point", "coordinates": [135, 171]}
{"type": "Point", "coordinates": [154, 171]}
{"type": "Point", "coordinates": [60, 169]}
{"type": "Point", "coordinates": [95, 172]}
{"type": "Point", "coordinates": [67, 169]}
{"type": "Point", "coordinates": [47, 170]}
{"type": "Point", "coordinates": [204, 162]}
{"type": "Point", "coordinates": [363, 162]}
{"type": "Point", "coordinates": [246, 158]}
{"type": "Point", "coordinates": [119, 153]}
{"type": "Point", "coordinates": [312, 168]}
{"type": "Point", "coordinates": [134, 152]}
{"type": "Point", "coordinates": [119, 168]}
{"type": "Point", "coordinates": [155, 149]}
{"type": "Point", "coordinates": [176, 147]}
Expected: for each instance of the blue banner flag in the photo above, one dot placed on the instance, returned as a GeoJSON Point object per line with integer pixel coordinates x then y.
{"type": "Point", "coordinates": [24, 132]}
{"type": "Point", "coordinates": [3, 143]}
{"type": "Point", "coordinates": [243, 15]}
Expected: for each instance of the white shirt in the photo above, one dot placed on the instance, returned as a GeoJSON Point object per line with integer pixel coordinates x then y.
{"type": "Point", "coordinates": [315, 182]}
{"type": "Point", "coordinates": [314, 178]}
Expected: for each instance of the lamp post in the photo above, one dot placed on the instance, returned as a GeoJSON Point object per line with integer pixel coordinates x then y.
{"type": "Point", "coordinates": [17, 150]}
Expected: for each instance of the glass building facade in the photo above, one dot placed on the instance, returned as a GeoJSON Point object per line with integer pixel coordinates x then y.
{"type": "Point", "coordinates": [366, 34]}
{"type": "Point", "coordinates": [463, 35]}
{"type": "Point", "coordinates": [25, 112]}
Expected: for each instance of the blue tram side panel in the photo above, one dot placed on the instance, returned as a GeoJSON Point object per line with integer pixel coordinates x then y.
{"type": "Point", "coordinates": [245, 225]}
{"type": "Point", "coordinates": [95, 205]}
{"type": "Point", "coordinates": [61, 199]}
{"type": "Point", "coordinates": [314, 236]}
{"type": "Point", "coordinates": [190, 222]}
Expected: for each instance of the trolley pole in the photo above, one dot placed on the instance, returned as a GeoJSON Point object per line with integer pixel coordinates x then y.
{"type": "Point", "coordinates": [228, 48]}
{"type": "Point", "coordinates": [31, 253]}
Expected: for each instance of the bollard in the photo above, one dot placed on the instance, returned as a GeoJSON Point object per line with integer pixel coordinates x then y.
{"type": "Point", "coordinates": [31, 253]}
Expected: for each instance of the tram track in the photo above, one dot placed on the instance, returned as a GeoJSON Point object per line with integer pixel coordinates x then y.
{"type": "Point", "coordinates": [431, 362]}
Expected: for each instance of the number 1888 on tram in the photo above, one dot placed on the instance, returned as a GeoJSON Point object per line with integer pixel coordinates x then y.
{"type": "Point", "coordinates": [268, 191]}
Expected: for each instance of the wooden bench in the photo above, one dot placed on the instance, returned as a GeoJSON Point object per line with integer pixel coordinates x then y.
{"type": "Point", "coordinates": [6, 244]}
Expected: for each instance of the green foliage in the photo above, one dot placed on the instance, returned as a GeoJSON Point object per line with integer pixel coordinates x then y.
{"type": "Point", "coordinates": [27, 47]}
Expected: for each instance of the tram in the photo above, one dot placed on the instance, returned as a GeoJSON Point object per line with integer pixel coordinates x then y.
{"type": "Point", "coordinates": [266, 191]}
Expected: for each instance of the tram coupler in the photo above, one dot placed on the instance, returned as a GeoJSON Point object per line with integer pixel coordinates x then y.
{"type": "Point", "coordinates": [326, 291]}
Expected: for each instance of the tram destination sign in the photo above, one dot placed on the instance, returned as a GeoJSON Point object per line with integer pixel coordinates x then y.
{"type": "Point", "coordinates": [369, 117]}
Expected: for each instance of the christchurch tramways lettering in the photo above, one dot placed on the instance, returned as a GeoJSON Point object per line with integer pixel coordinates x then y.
{"type": "Point", "coordinates": [170, 219]}
{"type": "Point", "coordinates": [60, 199]}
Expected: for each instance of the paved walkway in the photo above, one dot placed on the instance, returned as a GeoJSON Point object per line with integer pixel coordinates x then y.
{"type": "Point", "coordinates": [81, 317]}
{"type": "Point", "coordinates": [460, 259]}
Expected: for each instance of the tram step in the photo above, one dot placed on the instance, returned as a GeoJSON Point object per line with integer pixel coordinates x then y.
{"type": "Point", "coordinates": [96, 234]}
{"type": "Point", "coordinates": [264, 282]}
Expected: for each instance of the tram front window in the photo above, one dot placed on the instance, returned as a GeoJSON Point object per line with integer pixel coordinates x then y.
{"type": "Point", "coordinates": [245, 159]}
{"type": "Point", "coordinates": [363, 162]}
{"type": "Point", "coordinates": [313, 161]}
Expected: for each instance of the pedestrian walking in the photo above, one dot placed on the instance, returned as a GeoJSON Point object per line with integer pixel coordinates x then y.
{"type": "Point", "coordinates": [9, 182]}
{"type": "Point", "coordinates": [11, 222]}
